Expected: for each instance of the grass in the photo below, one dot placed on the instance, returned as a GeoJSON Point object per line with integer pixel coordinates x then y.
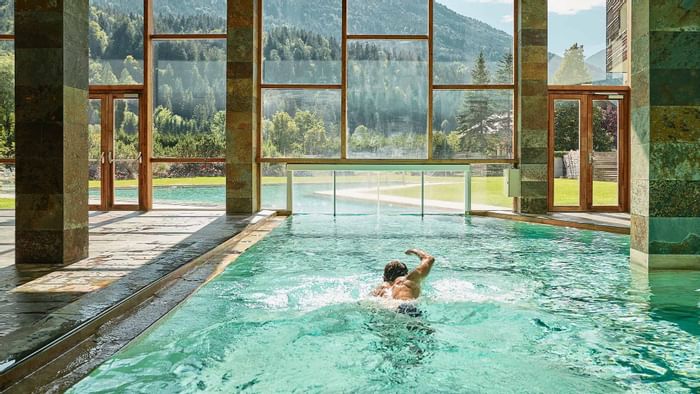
{"type": "Point", "coordinates": [7, 203]}
{"type": "Point", "coordinates": [489, 191]}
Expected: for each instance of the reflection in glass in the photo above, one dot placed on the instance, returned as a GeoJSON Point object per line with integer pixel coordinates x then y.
{"type": "Point", "coordinates": [7, 101]}
{"type": "Point", "coordinates": [300, 47]}
{"type": "Point", "coordinates": [606, 129]}
{"type": "Point", "coordinates": [301, 123]}
{"type": "Point", "coordinates": [474, 124]}
{"type": "Point", "coordinates": [588, 43]}
{"type": "Point", "coordinates": [95, 151]}
{"type": "Point", "coordinates": [473, 42]}
{"type": "Point", "coordinates": [387, 99]}
{"type": "Point", "coordinates": [567, 153]}
{"type": "Point", "coordinates": [126, 151]}
{"type": "Point", "coordinates": [189, 16]}
{"type": "Point", "coordinates": [404, 17]}
{"type": "Point", "coordinates": [189, 115]}
{"type": "Point", "coordinates": [116, 42]}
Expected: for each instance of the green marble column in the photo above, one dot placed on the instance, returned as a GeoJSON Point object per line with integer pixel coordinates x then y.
{"type": "Point", "coordinates": [665, 135]}
{"type": "Point", "coordinates": [241, 108]}
{"type": "Point", "coordinates": [51, 122]}
{"type": "Point", "coordinates": [532, 119]}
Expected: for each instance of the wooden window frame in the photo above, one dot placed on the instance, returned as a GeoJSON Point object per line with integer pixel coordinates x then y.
{"type": "Point", "coordinates": [432, 87]}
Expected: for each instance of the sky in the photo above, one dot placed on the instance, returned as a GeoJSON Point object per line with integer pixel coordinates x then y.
{"type": "Point", "coordinates": [570, 21]}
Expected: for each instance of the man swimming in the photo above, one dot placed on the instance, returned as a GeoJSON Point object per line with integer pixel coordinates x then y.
{"type": "Point", "coordinates": [399, 284]}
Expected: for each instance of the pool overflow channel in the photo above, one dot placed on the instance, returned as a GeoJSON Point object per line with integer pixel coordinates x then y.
{"type": "Point", "coordinates": [368, 168]}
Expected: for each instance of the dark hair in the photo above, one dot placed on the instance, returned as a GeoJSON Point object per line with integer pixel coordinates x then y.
{"type": "Point", "coordinates": [394, 270]}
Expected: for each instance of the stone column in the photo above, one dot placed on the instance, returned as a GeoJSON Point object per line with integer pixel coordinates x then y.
{"type": "Point", "coordinates": [665, 135]}
{"type": "Point", "coordinates": [532, 99]}
{"type": "Point", "coordinates": [241, 108]}
{"type": "Point", "coordinates": [51, 52]}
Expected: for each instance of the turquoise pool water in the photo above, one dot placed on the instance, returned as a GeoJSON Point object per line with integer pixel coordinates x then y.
{"type": "Point", "coordinates": [509, 307]}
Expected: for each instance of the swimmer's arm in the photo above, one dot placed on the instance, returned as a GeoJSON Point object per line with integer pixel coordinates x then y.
{"type": "Point", "coordinates": [423, 269]}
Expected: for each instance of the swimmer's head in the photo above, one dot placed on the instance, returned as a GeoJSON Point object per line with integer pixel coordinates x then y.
{"type": "Point", "coordinates": [394, 270]}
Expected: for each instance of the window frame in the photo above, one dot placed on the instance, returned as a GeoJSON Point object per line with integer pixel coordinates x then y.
{"type": "Point", "coordinates": [432, 87]}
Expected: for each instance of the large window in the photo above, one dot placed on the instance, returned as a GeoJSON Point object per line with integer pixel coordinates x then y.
{"type": "Point", "coordinates": [588, 42]}
{"type": "Point", "coordinates": [189, 103]}
{"type": "Point", "coordinates": [397, 80]}
{"type": "Point", "coordinates": [7, 105]}
{"type": "Point", "coordinates": [116, 42]}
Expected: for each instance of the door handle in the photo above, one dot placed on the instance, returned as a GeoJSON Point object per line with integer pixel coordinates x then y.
{"type": "Point", "coordinates": [110, 157]}
{"type": "Point", "coordinates": [102, 158]}
{"type": "Point", "coordinates": [590, 158]}
{"type": "Point", "coordinates": [140, 158]}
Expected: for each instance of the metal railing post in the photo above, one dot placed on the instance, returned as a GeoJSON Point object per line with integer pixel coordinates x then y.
{"type": "Point", "coordinates": [290, 197]}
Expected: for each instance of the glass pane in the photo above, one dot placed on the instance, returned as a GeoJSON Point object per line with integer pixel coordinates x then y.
{"type": "Point", "coordinates": [95, 152]}
{"type": "Point", "coordinates": [189, 16]}
{"type": "Point", "coordinates": [606, 130]}
{"type": "Point", "coordinates": [398, 17]}
{"type": "Point", "coordinates": [487, 188]}
{"type": "Point", "coordinates": [588, 42]}
{"type": "Point", "coordinates": [126, 151]}
{"type": "Point", "coordinates": [7, 16]}
{"type": "Point", "coordinates": [116, 42]}
{"type": "Point", "coordinates": [567, 128]}
{"type": "Point", "coordinates": [475, 124]}
{"type": "Point", "coordinates": [7, 186]}
{"type": "Point", "coordinates": [302, 41]}
{"type": "Point", "coordinates": [189, 116]}
{"type": "Point", "coordinates": [444, 192]}
{"type": "Point", "coordinates": [473, 42]}
{"type": "Point", "coordinates": [387, 99]}
{"type": "Point", "coordinates": [189, 185]}
{"type": "Point", "coordinates": [399, 193]}
{"type": "Point", "coordinates": [274, 186]}
{"type": "Point", "coordinates": [313, 192]}
{"type": "Point", "coordinates": [7, 99]}
{"type": "Point", "coordinates": [301, 123]}
{"type": "Point", "coordinates": [357, 192]}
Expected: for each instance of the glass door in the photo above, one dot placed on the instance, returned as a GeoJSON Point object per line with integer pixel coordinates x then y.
{"type": "Point", "coordinates": [605, 156]}
{"type": "Point", "coordinates": [115, 157]}
{"type": "Point", "coordinates": [587, 152]}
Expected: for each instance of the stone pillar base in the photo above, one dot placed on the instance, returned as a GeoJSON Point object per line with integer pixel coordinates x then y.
{"type": "Point", "coordinates": [660, 262]}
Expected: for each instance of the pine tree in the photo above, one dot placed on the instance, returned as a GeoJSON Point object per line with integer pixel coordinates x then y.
{"type": "Point", "coordinates": [475, 121]}
{"type": "Point", "coordinates": [504, 74]}
{"type": "Point", "coordinates": [480, 73]}
{"type": "Point", "coordinates": [573, 70]}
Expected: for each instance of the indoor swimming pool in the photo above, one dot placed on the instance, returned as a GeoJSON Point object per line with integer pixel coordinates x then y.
{"type": "Point", "coordinates": [508, 307]}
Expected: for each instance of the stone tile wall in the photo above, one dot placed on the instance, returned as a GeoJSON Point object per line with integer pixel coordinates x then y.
{"type": "Point", "coordinates": [241, 113]}
{"type": "Point", "coordinates": [665, 134]}
{"type": "Point", "coordinates": [532, 120]}
{"type": "Point", "coordinates": [51, 122]}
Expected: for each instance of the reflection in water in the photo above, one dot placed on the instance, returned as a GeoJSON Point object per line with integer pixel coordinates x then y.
{"type": "Point", "coordinates": [673, 297]}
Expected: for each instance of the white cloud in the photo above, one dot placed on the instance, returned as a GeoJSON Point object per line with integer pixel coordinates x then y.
{"type": "Point", "coordinates": [571, 7]}
{"type": "Point", "coordinates": [507, 19]}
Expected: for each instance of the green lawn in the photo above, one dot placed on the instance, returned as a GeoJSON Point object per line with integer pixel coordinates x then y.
{"type": "Point", "coordinates": [566, 193]}
{"type": "Point", "coordinates": [7, 203]}
{"type": "Point", "coordinates": [489, 191]}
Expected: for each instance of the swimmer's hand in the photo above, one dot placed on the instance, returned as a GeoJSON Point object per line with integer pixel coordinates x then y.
{"type": "Point", "coordinates": [418, 252]}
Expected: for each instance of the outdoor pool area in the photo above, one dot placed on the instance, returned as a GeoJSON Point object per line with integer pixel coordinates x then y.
{"type": "Point", "coordinates": [508, 307]}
